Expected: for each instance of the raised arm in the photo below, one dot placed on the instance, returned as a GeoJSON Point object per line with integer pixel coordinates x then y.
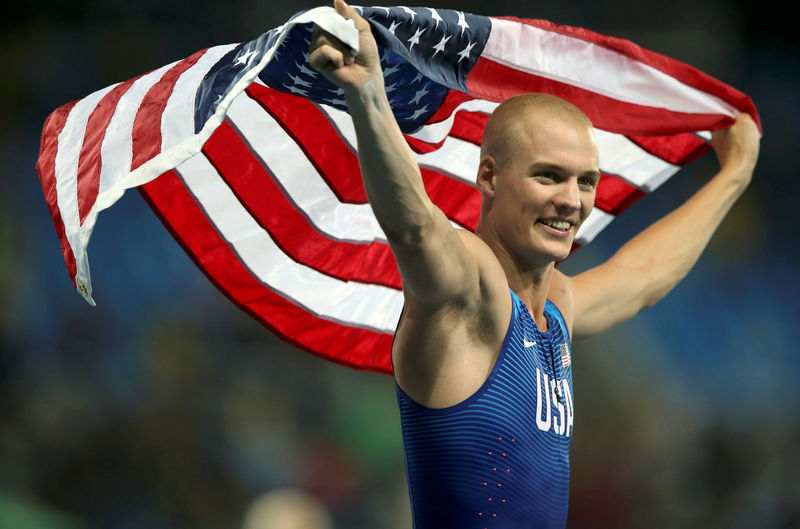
{"type": "Point", "coordinates": [647, 267]}
{"type": "Point", "coordinates": [433, 260]}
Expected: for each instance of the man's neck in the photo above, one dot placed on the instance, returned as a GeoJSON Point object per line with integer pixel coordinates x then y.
{"type": "Point", "coordinates": [530, 282]}
{"type": "Point", "coordinates": [531, 285]}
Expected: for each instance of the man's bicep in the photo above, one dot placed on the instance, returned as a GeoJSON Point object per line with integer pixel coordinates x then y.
{"type": "Point", "coordinates": [607, 295]}
{"type": "Point", "coordinates": [434, 262]}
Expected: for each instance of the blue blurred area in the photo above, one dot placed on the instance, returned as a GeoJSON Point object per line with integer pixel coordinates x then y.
{"type": "Point", "coordinates": [166, 407]}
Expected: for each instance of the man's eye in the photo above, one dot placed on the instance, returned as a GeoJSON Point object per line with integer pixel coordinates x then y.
{"type": "Point", "coordinates": [547, 174]}
{"type": "Point", "coordinates": [587, 181]}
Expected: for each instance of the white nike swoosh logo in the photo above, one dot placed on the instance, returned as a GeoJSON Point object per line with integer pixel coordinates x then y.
{"type": "Point", "coordinates": [526, 343]}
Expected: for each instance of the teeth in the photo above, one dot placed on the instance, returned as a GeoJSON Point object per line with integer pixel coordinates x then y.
{"type": "Point", "coordinates": [562, 225]}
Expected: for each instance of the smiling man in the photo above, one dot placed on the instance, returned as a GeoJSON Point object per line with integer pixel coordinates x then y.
{"type": "Point", "coordinates": [482, 353]}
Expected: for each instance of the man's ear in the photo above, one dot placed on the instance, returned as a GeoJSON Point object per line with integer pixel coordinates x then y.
{"type": "Point", "coordinates": [487, 171]}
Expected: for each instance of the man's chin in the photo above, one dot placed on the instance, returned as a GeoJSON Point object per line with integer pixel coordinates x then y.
{"type": "Point", "coordinates": [555, 253]}
{"type": "Point", "coordinates": [562, 253]}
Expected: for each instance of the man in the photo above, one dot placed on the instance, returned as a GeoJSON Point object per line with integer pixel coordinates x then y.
{"type": "Point", "coordinates": [482, 352]}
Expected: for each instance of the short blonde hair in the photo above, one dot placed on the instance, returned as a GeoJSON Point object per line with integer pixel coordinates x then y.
{"type": "Point", "coordinates": [500, 129]}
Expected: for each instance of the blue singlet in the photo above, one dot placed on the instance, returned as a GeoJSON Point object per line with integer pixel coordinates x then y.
{"type": "Point", "coordinates": [499, 459]}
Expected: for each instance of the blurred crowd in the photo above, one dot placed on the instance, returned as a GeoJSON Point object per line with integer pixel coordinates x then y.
{"type": "Point", "coordinates": [167, 408]}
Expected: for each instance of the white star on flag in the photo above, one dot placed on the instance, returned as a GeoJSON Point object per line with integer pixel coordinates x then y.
{"type": "Point", "coordinates": [462, 21]}
{"type": "Point", "coordinates": [464, 54]}
{"type": "Point", "coordinates": [409, 11]}
{"type": "Point", "coordinates": [305, 70]}
{"type": "Point", "coordinates": [415, 39]}
{"type": "Point", "coordinates": [419, 112]}
{"type": "Point", "coordinates": [439, 47]}
{"type": "Point", "coordinates": [244, 59]}
{"type": "Point", "coordinates": [435, 16]}
{"type": "Point", "coordinates": [298, 80]}
{"type": "Point", "coordinates": [418, 96]}
{"type": "Point", "coordinates": [390, 70]}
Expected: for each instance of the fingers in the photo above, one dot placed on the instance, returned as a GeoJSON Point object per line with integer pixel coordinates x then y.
{"type": "Point", "coordinates": [328, 59]}
{"type": "Point", "coordinates": [337, 61]}
{"type": "Point", "coordinates": [737, 145]}
{"type": "Point", "coordinates": [327, 52]}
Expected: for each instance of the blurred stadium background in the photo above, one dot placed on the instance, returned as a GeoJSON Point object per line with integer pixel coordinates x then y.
{"type": "Point", "coordinates": [167, 408]}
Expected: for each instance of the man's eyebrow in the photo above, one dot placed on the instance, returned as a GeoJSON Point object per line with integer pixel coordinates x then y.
{"type": "Point", "coordinates": [550, 166]}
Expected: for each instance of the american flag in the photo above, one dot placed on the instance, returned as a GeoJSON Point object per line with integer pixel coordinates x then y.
{"type": "Point", "coordinates": [248, 156]}
{"type": "Point", "coordinates": [566, 360]}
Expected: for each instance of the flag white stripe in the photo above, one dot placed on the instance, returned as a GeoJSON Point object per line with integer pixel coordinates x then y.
{"type": "Point", "coordinates": [368, 306]}
{"type": "Point", "coordinates": [623, 158]}
{"type": "Point", "coordinates": [436, 132]}
{"type": "Point", "coordinates": [593, 67]}
{"type": "Point", "coordinates": [117, 148]}
{"type": "Point", "coordinates": [177, 121]}
{"type": "Point", "coordinates": [456, 158]}
{"type": "Point", "coordinates": [594, 224]}
{"type": "Point", "coordinates": [70, 142]}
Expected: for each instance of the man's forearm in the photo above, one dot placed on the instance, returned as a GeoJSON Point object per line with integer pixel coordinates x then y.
{"type": "Point", "coordinates": [666, 251]}
{"type": "Point", "coordinates": [391, 175]}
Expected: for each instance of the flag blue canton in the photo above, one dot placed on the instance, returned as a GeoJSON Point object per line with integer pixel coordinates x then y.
{"type": "Point", "coordinates": [442, 44]}
{"type": "Point", "coordinates": [424, 53]}
{"type": "Point", "coordinates": [226, 72]}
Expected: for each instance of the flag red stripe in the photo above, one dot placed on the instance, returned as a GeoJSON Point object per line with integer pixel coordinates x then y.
{"type": "Point", "coordinates": [458, 201]}
{"type": "Point", "coordinates": [677, 149]}
{"type": "Point", "coordinates": [605, 112]}
{"type": "Point", "coordinates": [420, 146]}
{"type": "Point", "coordinates": [351, 346]}
{"type": "Point", "coordinates": [681, 71]}
{"type": "Point", "coordinates": [324, 148]}
{"type": "Point", "coordinates": [146, 136]}
{"type": "Point", "coordinates": [253, 185]}
{"type": "Point", "coordinates": [89, 160]}
{"type": "Point", "coordinates": [615, 195]}
{"type": "Point", "coordinates": [326, 151]}
{"type": "Point", "coordinates": [46, 167]}
{"type": "Point", "coordinates": [451, 101]}
{"type": "Point", "coordinates": [467, 125]}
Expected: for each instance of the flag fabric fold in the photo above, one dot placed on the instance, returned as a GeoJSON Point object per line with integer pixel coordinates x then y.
{"type": "Point", "coordinates": [249, 158]}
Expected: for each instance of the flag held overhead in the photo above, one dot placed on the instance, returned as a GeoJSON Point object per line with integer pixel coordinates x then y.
{"type": "Point", "coordinates": [249, 157]}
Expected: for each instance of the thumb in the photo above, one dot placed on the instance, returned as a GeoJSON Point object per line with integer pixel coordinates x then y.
{"type": "Point", "coordinates": [344, 9]}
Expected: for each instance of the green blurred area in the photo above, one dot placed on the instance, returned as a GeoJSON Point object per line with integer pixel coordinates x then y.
{"type": "Point", "coordinates": [16, 513]}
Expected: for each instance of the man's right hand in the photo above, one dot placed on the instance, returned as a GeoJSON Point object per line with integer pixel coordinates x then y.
{"type": "Point", "coordinates": [333, 59]}
{"type": "Point", "coordinates": [737, 146]}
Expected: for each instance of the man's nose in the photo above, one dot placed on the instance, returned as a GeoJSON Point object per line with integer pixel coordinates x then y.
{"type": "Point", "coordinates": [568, 195]}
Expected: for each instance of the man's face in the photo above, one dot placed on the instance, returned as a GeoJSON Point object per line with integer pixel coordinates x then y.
{"type": "Point", "coordinates": [544, 188]}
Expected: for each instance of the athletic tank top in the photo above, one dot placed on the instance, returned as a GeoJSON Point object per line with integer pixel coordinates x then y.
{"type": "Point", "coordinates": [499, 459]}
